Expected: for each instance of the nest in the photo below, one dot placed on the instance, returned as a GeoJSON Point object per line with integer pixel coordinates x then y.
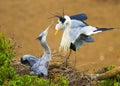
{"type": "Point", "coordinates": [59, 68]}
{"type": "Point", "coordinates": [74, 77]}
{"type": "Point", "coordinates": [20, 68]}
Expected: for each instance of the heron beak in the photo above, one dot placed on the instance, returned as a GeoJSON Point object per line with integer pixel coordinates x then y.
{"type": "Point", "coordinates": [58, 28]}
{"type": "Point", "coordinates": [46, 31]}
{"type": "Point", "coordinates": [56, 32]}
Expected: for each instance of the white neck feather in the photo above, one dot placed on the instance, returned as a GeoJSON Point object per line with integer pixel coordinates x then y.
{"type": "Point", "coordinates": [65, 42]}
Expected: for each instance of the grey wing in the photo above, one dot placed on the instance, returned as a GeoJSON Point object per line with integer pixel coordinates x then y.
{"type": "Point", "coordinates": [81, 39]}
{"type": "Point", "coordinates": [86, 38]}
{"type": "Point", "coordinates": [78, 43]}
{"type": "Point", "coordinates": [76, 29]}
{"type": "Point", "coordinates": [30, 59]}
{"type": "Point", "coordinates": [73, 34]}
{"type": "Point", "coordinates": [80, 17]}
{"type": "Point", "coordinates": [39, 68]}
{"type": "Point", "coordinates": [76, 24]}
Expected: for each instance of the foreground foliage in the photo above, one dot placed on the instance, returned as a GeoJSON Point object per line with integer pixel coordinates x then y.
{"type": "Point", "coordinates": [28, 80]}
{"type": "Point", "coordinates": [6, 70]}
{"type": "Point", "coordinates": [8, 75]}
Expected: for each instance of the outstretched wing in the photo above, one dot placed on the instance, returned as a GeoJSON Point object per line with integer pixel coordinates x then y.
{"type": "Point", "coordinates": [29, 60]}
{"type": "Point", "coordinates": [80, 40]}
{"type": "Point", "coordinates": [80, 17]}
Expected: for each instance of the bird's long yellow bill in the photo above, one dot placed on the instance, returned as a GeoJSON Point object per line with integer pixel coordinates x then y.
{"type": "Point", "coordinates": [56, 32]}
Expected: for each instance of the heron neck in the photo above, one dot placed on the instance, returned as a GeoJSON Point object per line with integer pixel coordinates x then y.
{"type": "Point", "coordinates": [47, 51]}
{"type": "Point", "coordinates": [65, 42]}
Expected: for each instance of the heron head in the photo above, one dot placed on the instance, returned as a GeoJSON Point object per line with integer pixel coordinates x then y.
{"type": "Point", "coordinates": [61, 23]}
{"type": "Point", "coordinates": [42, 36]}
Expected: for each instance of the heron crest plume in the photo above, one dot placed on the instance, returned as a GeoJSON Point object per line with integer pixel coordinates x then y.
{"type": "Point", "coordinates": [61, 18]}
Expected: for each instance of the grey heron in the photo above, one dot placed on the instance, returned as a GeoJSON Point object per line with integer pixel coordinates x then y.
{"type": "Point", "coordinates": [76, 32]}
{"type": "Point", "coordinates": [39, 66]}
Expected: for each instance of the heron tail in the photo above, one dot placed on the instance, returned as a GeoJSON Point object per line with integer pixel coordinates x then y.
{"type": "Point", "coordinates": [103, 29]}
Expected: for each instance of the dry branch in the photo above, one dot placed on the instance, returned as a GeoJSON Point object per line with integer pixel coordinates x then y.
{"type": "Point", "coordinates": [105, 75]}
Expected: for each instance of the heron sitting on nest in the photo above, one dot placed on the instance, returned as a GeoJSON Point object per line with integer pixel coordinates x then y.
{"type": "Point", "coordinates": [39, 66]}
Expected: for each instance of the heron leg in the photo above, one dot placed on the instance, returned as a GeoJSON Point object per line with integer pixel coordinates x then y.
{"type": "Point", "coordinates": [69, 54]}
{"type": "Point", "coordinates": [66, 60]}
{"type": "Point", "coordinates": [75, 61]}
